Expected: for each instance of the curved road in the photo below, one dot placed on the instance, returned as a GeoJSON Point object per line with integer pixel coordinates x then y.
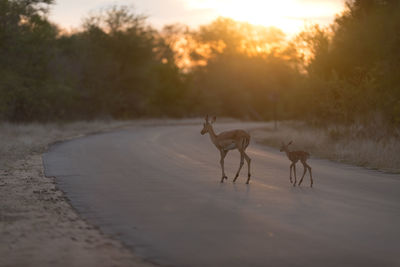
{"type": "Point", "coordinates": [157, 189]}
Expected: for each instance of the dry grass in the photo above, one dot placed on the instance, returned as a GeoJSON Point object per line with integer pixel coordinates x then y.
{"type": "Point", "coordinates": [20, 140]}
{"type": "Point", "coordinates": [372, 147]}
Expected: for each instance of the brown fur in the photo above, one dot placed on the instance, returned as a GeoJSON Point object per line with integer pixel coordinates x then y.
{"type": "Point", "coordinates": [229, 140]}
{"type": "Point", "coordinates": [294, 157]}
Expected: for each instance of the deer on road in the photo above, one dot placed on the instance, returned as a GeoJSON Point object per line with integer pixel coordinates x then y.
{"type": "Point", "coordinates": [294, 157]}
{"type": "Point", "coordinates": [229, 140]}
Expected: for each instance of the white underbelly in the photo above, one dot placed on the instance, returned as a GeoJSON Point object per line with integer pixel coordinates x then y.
{"type": "Point", "coordinates": [230, 146]}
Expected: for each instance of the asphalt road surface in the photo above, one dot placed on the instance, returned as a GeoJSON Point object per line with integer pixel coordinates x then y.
{"type": "Point", "coordinates": [157, 189]}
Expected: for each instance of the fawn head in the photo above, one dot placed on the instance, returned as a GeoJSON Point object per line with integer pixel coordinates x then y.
{"type": "Point", "coordinates": [285, 147]}
{"type": "Point", "coordinates": [207, 125]}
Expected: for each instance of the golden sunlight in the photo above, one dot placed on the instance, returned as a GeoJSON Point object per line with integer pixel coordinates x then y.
{"type": "Point", "coordinates": [288, 15]}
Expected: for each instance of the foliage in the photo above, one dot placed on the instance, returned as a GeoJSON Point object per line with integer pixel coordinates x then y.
{"type": "Point", "coordinates": [354, 69]}
{"type": "Point", "coordinates": [246, 74]}
{"type": "Point", "coordinates": [113, 67]}
{"type": "Point", "coordinates": [118, 66]}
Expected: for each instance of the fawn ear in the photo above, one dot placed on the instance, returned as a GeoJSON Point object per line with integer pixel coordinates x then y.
{"type": "Point", "coordinates": [207, 118]}
{"type": "Point", "coordinates": [213, 119]}
{"type": "Point", "coordinates": [290, 142]}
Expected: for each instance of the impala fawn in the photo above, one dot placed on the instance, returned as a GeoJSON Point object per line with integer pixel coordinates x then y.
{"type": "Point", "coordinates": [294, 157]}
{"type": "Point", "coordinates": [229, 140]}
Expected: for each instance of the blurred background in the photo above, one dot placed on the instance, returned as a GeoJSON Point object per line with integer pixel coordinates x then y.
{"type": "Point", "coordinates": [321, 62]}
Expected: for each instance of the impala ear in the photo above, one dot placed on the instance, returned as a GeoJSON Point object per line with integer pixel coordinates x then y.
{"type": "Point", "coordinates": [213, 119]}
{"type": "Point", "coordinates": [207, 118]}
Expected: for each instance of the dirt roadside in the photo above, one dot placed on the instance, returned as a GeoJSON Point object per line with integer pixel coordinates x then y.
{"type": "Point", "coordinates": [38, 227]}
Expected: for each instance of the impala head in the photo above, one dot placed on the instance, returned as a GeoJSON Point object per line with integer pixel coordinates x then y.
{"type": "Point", "coordinates": [207, 125]}
{"type": "Point", "coordinates": [285, 147]}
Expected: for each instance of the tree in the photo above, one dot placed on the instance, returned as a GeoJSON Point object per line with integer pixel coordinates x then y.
{"type": "Point", "coordinates": [26, 39]}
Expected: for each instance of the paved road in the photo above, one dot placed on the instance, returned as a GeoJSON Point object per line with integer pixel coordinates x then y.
{"type": "Point", "coordinates": [157, 189]}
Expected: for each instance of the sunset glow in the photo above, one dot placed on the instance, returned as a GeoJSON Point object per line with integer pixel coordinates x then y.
{"type": "Point", "coordinates": [288, 15]}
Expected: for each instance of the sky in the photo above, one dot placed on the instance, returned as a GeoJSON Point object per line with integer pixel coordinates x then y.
{"type": "Point", "coordinates": [288, 15]}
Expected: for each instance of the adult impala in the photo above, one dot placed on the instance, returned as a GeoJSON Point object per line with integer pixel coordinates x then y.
{"type": "Point", "coordinates": [229, 140]}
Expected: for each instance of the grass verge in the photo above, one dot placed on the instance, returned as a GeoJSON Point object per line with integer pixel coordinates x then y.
{"type": "Point", "coordinates": [373, 147]}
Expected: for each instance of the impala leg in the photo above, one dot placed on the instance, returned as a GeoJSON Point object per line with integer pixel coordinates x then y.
{"type": "Point", "coordinates": [304, 173]}
{"type": "Point", "coordinates": [223, 155]}
{"type": "Point", "coordinates": [290, 176]}
{"type": "Point", "coordinates": [294, 172]}
{"type": "Point", "coordinates": [247, 158]}
{"type": "Point", "coordinates": [240, 166]}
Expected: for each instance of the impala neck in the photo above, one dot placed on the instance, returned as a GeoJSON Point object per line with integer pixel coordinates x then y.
{"type": "Point", "coordinates": [213, 136]}
{"type": "Point", "coordinates": [287, 152]}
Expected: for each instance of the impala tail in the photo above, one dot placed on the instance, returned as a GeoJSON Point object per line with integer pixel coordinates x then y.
{"type": "Point", "coordinates": [246, 142]}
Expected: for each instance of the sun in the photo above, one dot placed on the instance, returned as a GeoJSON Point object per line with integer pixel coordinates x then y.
{"type": "Point", "coordinates": [288, 15]}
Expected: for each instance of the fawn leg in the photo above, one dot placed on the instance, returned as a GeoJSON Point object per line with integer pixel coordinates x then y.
{"type": "Point", "coordinates": [309, 170]}
{"type": "Point", "coordinates": [290, 176]}
{"type": "Point", "coordinates": [294, 171]}
{"type": "Point", "coordinates": [304, 173]}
